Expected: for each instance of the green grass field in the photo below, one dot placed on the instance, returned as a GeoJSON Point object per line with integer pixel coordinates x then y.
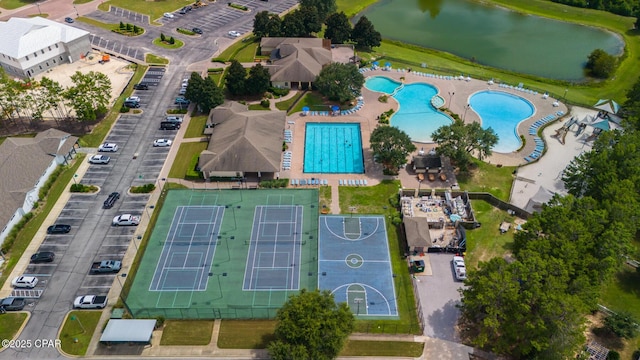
{"type": "Point", "coordinates": [186, 152]}
{"type": "Point", "coordinates": [196, 126]}
{"type": "Point", "coordinates": [77, 331]}
{"type": "Point", "coordinates": [196, 333]}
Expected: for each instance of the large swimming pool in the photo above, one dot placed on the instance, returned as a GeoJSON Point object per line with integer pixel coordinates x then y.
{"type": "Point", "coordinates": [502, 112]}
{"type": "Point", "coordinates": [333, 148]}
{"type": "Point", "coordinates": [416, 116]}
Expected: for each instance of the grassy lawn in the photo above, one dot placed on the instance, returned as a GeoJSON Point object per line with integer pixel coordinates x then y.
{"type": "Point", "coordinates": [382, 348]}
{"type": "Point", "coordinates": [165, 44]}
{"type": "Point", "coordinates": [489, 178]}
{"type": "Point", "coordinates": [325, 197]}
{"type": "Point", "coordinates": [486, 242]}
{"type": "Point", "coordinates": [78, 2]}
{"type": "Point", "coordinates": [216, 77]}
{"type": "Point", "coordinates": [177, 332]}
{"type": "Point", "coordinates": [246, 334]}
{"type": "Point", "coordinates": [96, 23]}
{"type": "Point", "coordinates": [186, 152]}
{"type": "Point", "coordinates": [79, 325]}
{"type": "Point", "coordinates": [196, 126]}
{"type": "Point", "coordinates": [153, 8]}
{"type": "Point", "coordinates": [232, 51]}
{"type": "Point", "coordinates": [314, 101]}
{"type": "Point", "coordinates": [375, 200]}
{"type": "Point", "coordinates": [248, 52]}
{"type": "Point", "coordinates": [99, 132]}
{"type": "Point", "coordinates": [29, 231]}
{"type": "Point", "coordinates": [156, 60]}
{"type": "Point", "coordinates": [284, 105]}
{"type": "Point", "coordinates": [257, 107]}
{"type": "Point", "coordinates": [13, 4]}
{"type": "Point", "coordinates": [10, 323]}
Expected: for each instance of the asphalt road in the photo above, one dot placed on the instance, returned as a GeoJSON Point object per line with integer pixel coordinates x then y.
{"type": "Point", "coordinates": [92, 237]}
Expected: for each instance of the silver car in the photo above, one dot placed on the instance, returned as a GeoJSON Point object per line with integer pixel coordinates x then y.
{"type": "Point", "coordinates": [108, 147]}
{"type": "Point", "coordinates": [99, 159]}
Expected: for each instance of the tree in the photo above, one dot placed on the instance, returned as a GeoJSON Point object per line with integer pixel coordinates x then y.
{"type": "Point", "coordinates": [260, 22]}
{"type": "Point", "coordinates": [622, 324]}
{"type": "Point", "coordinates": [204, 92]}
{"type": "Point", "coordinates": [390, 147]}
{"type": "Point", "coordinates": [235, 79]}
{"type": "Point", "coordinates": [163, 38]}
{"type": "Point", "coordinates": [341, 82]}
{"type": "Point", "coordinates": [600, 64]}
{"type": "Point", "coordinates": [338, 28]}
{"type": "Point", "coordinates": [311, 326]}
{"type": "Point", "coordinates": [172, 40]}
{"type": "Point", "coordinates": [459, 140]}
{"type": "Point", "coordinates": [365, 35]}
{"type": "Point", "coordinates": [311, 20]}
{"type": "Point", "coordinates": [258, 81]}
{"type": "Point", "coordinates": [274, 26]}
{"type": "Point", "coordinates": [136, 29]}
{"type": "Point", "coordinates": [324, 7]}
{"type": "Point", "coordinates": [293, 25]}
{"type": "Point", "coordinates": [89, 92]}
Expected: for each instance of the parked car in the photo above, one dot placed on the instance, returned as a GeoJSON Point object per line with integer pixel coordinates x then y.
{"type": "Point", "coordinates": [105, 266]}
{"type": "Point", "coordinates": [132, 104]}
{"type": "Point", "coordinates": [177, 119]}
{"type": "Point", "coordinates": [459, 268]}
{"type": "Point", "coordinates": [234, 33]}
{"type": "Point", "coordinates": [197, 30]}
{"type": "Point", "coordinates": [108, 147]}
{"type": "Point", "coordinates": [58, 229]}
{"type": "Point", "coordinates": [99, 159]}
{"type": "Point", "coordinates": [141, 86]}
{"type": "Point", "coordinates": [12, 304]}
{"type": "Point", "coordinates": [185, 82]}
{"type": "Point", "coordinates": [126, 220]}
{"type": "Point", "coordinates": [111, 200]}
{"type": "Point", "coordinates": [181, 100]}
{"type": "Point", "coordinates": [68, 20]}
{"type": "Point", "coordinates": [162, 142]}
{"type": "Point", "coordinates": [182, 91]}
{"type": "Point", "coordinates": [25, 282]}
{"type": "Point", "coordinates": [168, 15]}
{"type": "Point", "coordinates": [90, 302]}
{"type": "Point", "coordinates": [133, 98]}
{"type": "Point", "coordinates": [169, 125]}
{"type": "Point", "coordinates": [42, 256]}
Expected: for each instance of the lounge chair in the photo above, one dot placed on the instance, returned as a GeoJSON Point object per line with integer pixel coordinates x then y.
{"type": "Point", "coordinates": [325, 182]}
{"type": "Point", "coordinates": [340, 182]}
{"type": "Point", "coordinates": [527, 159]}
{"type": "Point", "coordinates": [365, 182]}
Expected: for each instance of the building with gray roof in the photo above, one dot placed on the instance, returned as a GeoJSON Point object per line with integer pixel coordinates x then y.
{"type": "Point", "coordinates": [25, 166]}
{"type": "Point", "coordinates": [35, 45]}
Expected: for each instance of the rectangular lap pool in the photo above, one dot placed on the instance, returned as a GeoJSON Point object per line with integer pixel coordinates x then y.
{"type": "Point", "coordinates": [333, 148]}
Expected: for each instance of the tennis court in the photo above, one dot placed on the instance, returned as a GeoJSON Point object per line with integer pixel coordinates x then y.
{"type": "Point", "coordinates": [227, 254]}
{"type": "Point", "coordinates": [354, 264]}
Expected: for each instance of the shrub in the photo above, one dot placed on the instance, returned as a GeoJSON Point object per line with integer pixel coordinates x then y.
{"type": "Point", "coordinates": [383, 98]}
{"type": "Point", "coordinates": [129, 27]}
{"type": "Point", "coordinates": [279, 91]}
{"type": "Point", "coordinates": [44, 190]}
{"type": "Point", "coordinates": [177, 111]}
{"type": "Point", "coordinates": [172, 40]}
{"type": "Point", "coordinates": [124, 109]}
{"type": "Point", "coordinates": [159, 321]}
{"type": "Point", "coordinates": [238, 6]}
{"type": "Point", "coordinates": [265, 103]}
{"type": "Point", "coordinates": [143, 189]}
{"type": "Point", "coordinates": [220, 60]}
{"type": "Point", "coordinates": [80, 188]}
{"type": "Point", "coordinates": [215, 70]}
{"type": "Point", "coordinates": [162, 37]}
{"type": "Point", "coordinates": [613, 355]}
{"type": "Point", "coordinates": [192, 171]}
{"type": "Point", "coordinates": [622, 324]}
{"type": "Point", "coordinates": [122, 26]}
{"type": "Point", "coordinates": [394, 201]}
{"type": "Point", "coordinates": [275, 183]}
{"type": "Point", "coordinates": [136, 29]}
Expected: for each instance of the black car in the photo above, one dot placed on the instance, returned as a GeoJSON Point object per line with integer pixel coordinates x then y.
{"type": "Point", "coordinates": [111, 200]}
{"type": "Point", "coordinates": [141, 86]}
{"type": "Point", "coordinates": [43, 256]}
{"type": "Point", "coordinates": [12, 304]}
{"type": "Point", "coordinates": [68, 20]}
{"type": "Point", "coordinates": [58, 229]}
{"type": "Point", "coordinates": [197, 30]}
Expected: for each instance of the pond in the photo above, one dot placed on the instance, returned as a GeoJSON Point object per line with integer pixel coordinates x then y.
{"type": "Point", "coordinates": [493, 36]}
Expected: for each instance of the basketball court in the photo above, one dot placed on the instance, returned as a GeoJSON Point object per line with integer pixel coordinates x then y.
{"type": "Point", "coordinates": [354, 264]}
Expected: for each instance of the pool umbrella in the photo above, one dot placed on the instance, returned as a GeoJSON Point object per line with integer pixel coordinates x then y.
{"type": "Point", "coordinates": [305, 108]}
{"type": "Point", "coordinates": [335, 108]}
{"type": "Point", "coordinates": [375, 63]}
{"type": "Point", "coordinates": [602, 125]}
{"type": "Point", "coordinates": [387, 64]}
{"type": "Point", "coordinates": [455, 217]}
{"type": "Point", "coordinates": [607, 105]}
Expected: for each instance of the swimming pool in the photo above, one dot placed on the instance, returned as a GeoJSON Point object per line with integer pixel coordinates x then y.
{"type": "Point", "coordinates": [333, 148]}
{"type": "Point", "coordinates": [502, 112]}
{"type": "Point", "coordinates": [416, 116]}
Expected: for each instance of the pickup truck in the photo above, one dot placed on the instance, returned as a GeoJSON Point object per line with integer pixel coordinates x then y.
{"type": "Point", "coordinates": [105, 266]}
{"type": "Point", "coordinates": [125, 220]}
{"type": "Point", "coordinates": [90, 302]}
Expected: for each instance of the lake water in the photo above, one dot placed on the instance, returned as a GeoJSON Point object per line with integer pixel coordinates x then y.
{"type": "Point", "coordinates": [493, 36]}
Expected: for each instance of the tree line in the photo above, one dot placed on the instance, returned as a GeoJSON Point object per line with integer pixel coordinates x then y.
{"type": "Point", "coordinates": [85, 100]}
{"type": "Point", "coordinates": [619, 7]}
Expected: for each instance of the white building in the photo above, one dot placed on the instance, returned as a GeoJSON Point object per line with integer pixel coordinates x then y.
{"type": "Point", "coordinates": [35, 45]}
{"type": "Point", "coordinates": [25, 165]}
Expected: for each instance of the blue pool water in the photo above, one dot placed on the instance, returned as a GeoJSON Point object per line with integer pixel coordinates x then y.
{"type": "Point", "coordinates": [416, 116]}
{"type": "Point", "coordinates": [502, 112]}
{"type": "Point", "coordinates": [333, 148]}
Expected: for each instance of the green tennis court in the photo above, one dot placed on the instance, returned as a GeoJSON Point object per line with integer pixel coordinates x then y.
{"type": "Point", "coordinates": [231, 254]}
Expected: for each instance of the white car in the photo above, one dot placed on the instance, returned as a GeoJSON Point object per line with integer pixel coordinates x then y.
{"type": "Point", "coordinates": [168, 15]}
{"type": "Point", "coordinates": [99, 159]}
{"type": "Point", "coordinates": [459, 268]}
{"type": "Point", "coordinates": [133, 98]}
{"type": "Point", "coordinates": [182, 91]}
{"type": "Point", "coordinates": [458, 261]}
{"type": "Point", "coordinates": [162, 142]}
{"type": "Point", "coordinates": [234, 33]}
{"type": "Point", "coordinates": [185, 82]}
{"type": "Point", "coordinates": [108, 147]}
{"type": "Point", "coordinates": [25, 282]}
{"type": "Point", "coordinates": [125, 220]}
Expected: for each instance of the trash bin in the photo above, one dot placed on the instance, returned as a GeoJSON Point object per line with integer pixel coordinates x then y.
{"type": "Point", "coordinates": [417, 266]}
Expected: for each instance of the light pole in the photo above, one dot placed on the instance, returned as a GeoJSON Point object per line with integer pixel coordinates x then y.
{"type": "Point", "coordinates": [38, 5]}
{"type": "Point", "coordinates": [352, 209]}
{"type": "Point", "coordinates": [76, 9]}
{"type": "Point", "coordinates": [564, 97]}
{"type": "Point", "coordinates": [465, 112]}
{"type": "Point", "coordinates": [451, 93]}
{"type": "Point", "coordinates": [357, 301]}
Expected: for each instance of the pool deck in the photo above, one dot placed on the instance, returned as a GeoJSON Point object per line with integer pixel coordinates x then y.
{"type": "Point", "coordinates": [461, 91]}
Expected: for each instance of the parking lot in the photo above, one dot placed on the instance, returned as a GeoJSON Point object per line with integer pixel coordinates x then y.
{"type": "Point", "coordinates": [439, 296]}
